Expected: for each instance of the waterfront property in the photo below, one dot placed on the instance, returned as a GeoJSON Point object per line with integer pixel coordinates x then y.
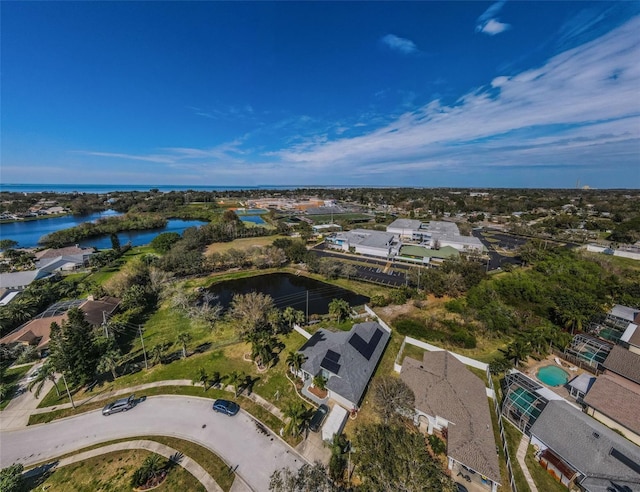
{"type": "Point", "coordinates": [346, 360]}
{"type": "Point", "coordinates": [578, 450]}
{"type": "Point", "coordinates": [452, 400]}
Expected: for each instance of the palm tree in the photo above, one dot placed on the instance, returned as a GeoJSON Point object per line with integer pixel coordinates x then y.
{"type": "Point", "coordinates": [156, 354]}
{"type": "Point", "coordinates": [339, 308]}
{"type": "Point", "coordinates": [235, 379]}
{"type": "Point", "coordinates": [183, 339]}
{"type": "Point", "coordinates": [203, 378]}
{"type": "Point", "coordinates": [216, 378]}
{"type": "Point", "coordinates": [47, 373]}
{"type": "Point", "coordinates": [288, 315]}
{"type": "Point", "coordinates": [109, 362]}
{"type": "Point", "coordinates": [295, 361]}
{"type": "Point", "coordinates": [298, 415]}
{"type": "Point", "coordinates": [320, 382]}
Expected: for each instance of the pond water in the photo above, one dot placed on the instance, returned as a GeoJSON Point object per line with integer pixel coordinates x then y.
{"type": "Point", "coordinates": [288, 290]}
{"type": "Point", "coordinates": [28, 233]}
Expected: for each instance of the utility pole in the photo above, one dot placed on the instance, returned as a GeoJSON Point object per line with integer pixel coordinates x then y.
{"type": "Point", "coordinates": [307, 306]}
{"type": "Point", "coordinates": [68, 392]}
{"type": "Point", "coordinates": [144, 352]}
{"type": "Point", "coordinates": [104, 324]}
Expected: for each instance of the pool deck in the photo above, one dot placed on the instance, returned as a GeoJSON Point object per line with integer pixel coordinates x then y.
{"type": "Point", "coordinates": [531, 370]}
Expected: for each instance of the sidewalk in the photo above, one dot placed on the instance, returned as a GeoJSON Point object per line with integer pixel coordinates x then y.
{"type": "Point", "coordinates": [184, 461]}
{"type": "Point", "coordinates": [522, 451]}
{"type": "Point", "coordinates": [16, 414]}
{"type": "Point", "coordinates": [106, 395]}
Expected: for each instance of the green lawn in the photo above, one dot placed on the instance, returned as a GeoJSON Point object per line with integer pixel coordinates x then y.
{"type": "Point", "coordinates": [514, 436]}
{"type": "Point", "coordinates": [542, 478]}
{"type": "Point", "coordinates": [112, 472]}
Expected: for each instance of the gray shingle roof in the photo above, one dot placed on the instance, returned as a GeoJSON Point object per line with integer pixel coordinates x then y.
{"type": "Point", "coordinates": [354, 369]}
{"type": "Point", "coordinates": [616, 400]}
{"type": "Point", "coordinates": [623, 362]}
{"type": "Point", "coordinates": [587, 445]}
{"type": "Point", "coordinates": [444, 387]}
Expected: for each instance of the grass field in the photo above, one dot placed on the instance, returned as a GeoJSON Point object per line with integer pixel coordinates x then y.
{"type": "Point", "coordinates": [112, 472]}
{"type": "Point", "coordinates": [243, 243]}
{"type": "Point", "coordinates": [542, 478]}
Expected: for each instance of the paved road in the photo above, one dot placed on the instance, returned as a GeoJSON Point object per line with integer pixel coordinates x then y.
{"type": "Point", "coordinates": [237, 439]}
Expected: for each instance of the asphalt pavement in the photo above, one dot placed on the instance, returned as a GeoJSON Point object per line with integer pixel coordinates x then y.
{"type": "Point", "coordinates": [253, 453]}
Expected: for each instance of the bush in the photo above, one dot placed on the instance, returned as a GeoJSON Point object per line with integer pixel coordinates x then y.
{"type": "Point", "coordinates": [379, 301]}
{"type": "Point", "coordinates": [456, 305]}
{"type": "Point", "coordinates": [464, 339]}
{"type": "Point", "coordinates": [410, 327]}
{"type": "Point", "coordinates": [437, 444]}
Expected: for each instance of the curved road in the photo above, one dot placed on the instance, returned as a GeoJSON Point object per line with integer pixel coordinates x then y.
{"type": "Point", "coordinates": [237, 440]}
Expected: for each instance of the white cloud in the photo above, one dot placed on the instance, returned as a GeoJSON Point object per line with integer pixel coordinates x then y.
{"type": "Point", "coordinates": [581, 105]}
{"type": "Point", "coordinates": [488, 22]}
{"type": "Point", "coordinates": [405, 46]}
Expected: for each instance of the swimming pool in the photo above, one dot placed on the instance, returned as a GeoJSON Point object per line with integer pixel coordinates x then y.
{"type": "Point", "coordinates": [552, 376]}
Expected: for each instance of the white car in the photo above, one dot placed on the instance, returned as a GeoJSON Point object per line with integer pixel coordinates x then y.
{"type": "Point", "coordinates": [32, 375]}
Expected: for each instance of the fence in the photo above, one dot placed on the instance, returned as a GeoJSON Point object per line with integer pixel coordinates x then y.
{"type": "Point", "coordinates": [503, 437]}
{"type": "Point", "coordinates": [576, 361]}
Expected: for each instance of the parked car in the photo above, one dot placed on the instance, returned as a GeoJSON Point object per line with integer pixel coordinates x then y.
{"type": "Point", "coordinates": [318, 418]}
{"type": "Point", "coordinates": [227, 407]}
{"type": "Point", "coordinates": [32, 375]}
{"type": "Point", "coordinates": [460, 488]}
{"type": "Point", "coordinates": [121, 405]}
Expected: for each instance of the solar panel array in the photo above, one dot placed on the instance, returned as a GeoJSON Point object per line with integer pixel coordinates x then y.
{"type": "Point", "coordinates": [366, 349]}
{"type": "Point", "coordinates": [330, 362]}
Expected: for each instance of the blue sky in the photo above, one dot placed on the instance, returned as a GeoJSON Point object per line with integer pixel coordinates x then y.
{"type": "Point", "coordinates": [499, 94]}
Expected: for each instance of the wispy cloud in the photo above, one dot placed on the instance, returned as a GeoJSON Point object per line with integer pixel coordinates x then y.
{"type": "Point", "coordinates": [396, 43]}
{"type": "Point", "coordinates": [579, 108]}
{"type": "Point", "coordinates": [488, 22]}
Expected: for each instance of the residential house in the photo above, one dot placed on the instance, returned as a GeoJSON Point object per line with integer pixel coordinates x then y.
{"type": "Point", "coordinates": [345, 359]}
{"type": "Point", "coordinates": [579, 450]}
{"type": "Point", "coordinates": [37, 332]}
{"type": "Point", "coordinates": [453, 401]}
{"type": "Point", "coordinates": [614, 399]}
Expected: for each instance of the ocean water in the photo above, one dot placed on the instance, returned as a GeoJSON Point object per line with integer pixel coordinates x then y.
{"type": "Point", "coordinates": [107, 188]}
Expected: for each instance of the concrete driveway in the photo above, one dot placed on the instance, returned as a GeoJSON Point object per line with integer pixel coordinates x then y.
{"type": "Point", "coordinates": [253, 453]}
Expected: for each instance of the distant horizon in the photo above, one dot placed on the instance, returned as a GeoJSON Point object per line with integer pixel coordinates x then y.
{"type": "Point", "coordinates": [438, 94]}
{"type": "Point", "coordinates": [105, 188]}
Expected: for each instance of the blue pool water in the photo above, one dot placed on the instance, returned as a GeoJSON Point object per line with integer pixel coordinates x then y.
{"type": "Point", "coordinates": [552, 376]}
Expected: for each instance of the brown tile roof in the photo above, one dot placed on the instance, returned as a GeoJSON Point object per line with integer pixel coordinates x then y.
{"type": "Point", "coordinates": [34, 329]}
{"type": "Point", "coordinates": [41, 327]}
{"type": "Point", "coordinates": [54, 253]}
{"type": "Point", "coordinates": [623, 362]}
{"type": "Point", "coordinates": [444, 387]}
{"type": "Point", "coordinates": [635, 336]}
{"type": "Point", "coordinates": [93, 309]}
{"type": "Point", "coordinates": [617, 399]}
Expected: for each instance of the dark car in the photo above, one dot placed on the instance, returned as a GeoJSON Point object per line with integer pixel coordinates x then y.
{"type": "Point", "coordinates": [121, 405]}
{"type": "Point", "coordinates": [225, 406]}
{"type": "Point", "coordinates": [460, 488]}
{"type": "Point", "coordinates": [318, 418]}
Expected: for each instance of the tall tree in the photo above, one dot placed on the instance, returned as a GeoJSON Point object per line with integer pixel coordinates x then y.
{"type": "Point", "coordinates": [251, 310]}
{"type": "Point", "coordinates": [109, 362]}
{"type": "Point", "coordinates": [295, 361]}
{"type": "Point", "coordinates": [298, 415]}
{"type": "Point", "coordinates": [46, 373]}
{"type": "Point", "coordinates": [392, 458]}
{"type": "Point", "coordinates": [74, 349]}
{"type": "Point", "coordinates": [235, 379]}
{"type": "Point", "coordinates": [309, 478]}
{"type": "Point", "coordinates": [183, 339]}
{"type": "Point", "coordinates": [339, 308]}
{"type": "Point", "coordinates": [392, 398]}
